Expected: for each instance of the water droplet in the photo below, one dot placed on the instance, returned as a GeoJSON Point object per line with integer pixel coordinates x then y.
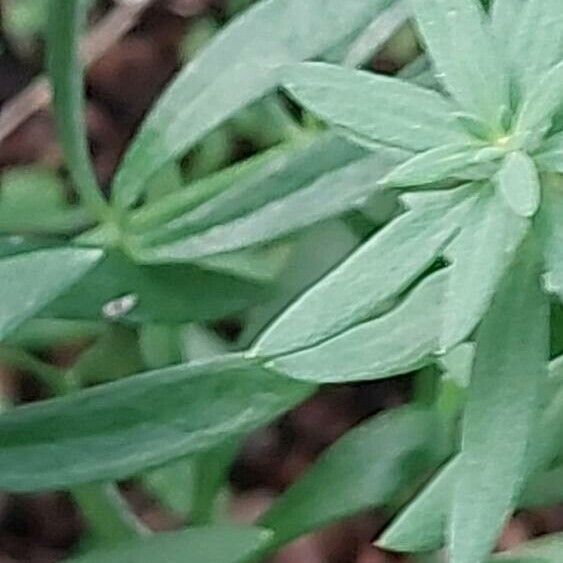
{"type": "Point", "coordinates": [118, 308]}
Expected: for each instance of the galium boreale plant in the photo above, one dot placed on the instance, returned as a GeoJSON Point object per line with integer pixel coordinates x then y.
{"type": "Point", "coordinates": [460, 286]}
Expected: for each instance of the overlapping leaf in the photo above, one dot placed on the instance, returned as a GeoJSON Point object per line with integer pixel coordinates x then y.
{"type": "Point", "coordinates": [239, 67]}
{"type": "Point", "coordinates": [379, 271]}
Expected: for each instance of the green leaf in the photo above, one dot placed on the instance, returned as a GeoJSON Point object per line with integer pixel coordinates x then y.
{"type": "Point", "coordinates": [546, 549]}
{"type": "Point", "coordinates": [376, 349]}
{"type": "Point", "coordinates": [550, 154]}
{"type": "Point", "coordinates": [243, 188]}
{"type": "Point", "coordinates": [375, 108]}
{"type": "Point", "coordinates": [480, 254]}
{"type": "Point", "coordinates": [177, 293]}
{"type": "Point", "coordinates": [440, 163]}
{"type": "Point", "coordinates": [365, 468]}
{"type": "Point", "coordinates": [420, 526]}
{"type": "Point", "coordinates": [214, 86]}
{"type": "Point", "coordinates": [544, 489]}
{"type": "Point", "coordinates": [465, 56]}
{"type": "Point", "coordinates": [330, 195]}
{"type": "Point", "coordinates": [28, 282]}
{"type": "Point", "coordinates": [217, 544]}
{"type": "Point", "coordinates": [66, 73]}
{"type": "Point", "coordinates": [510, 370]}
{"type": "Point", "coordinates": [379, 271]}
{"type": "Point", "coordinates": [540, 105]}
{"type": "Point", "coordinates": [118, 429]}
{"type": "Point", "coordinates": [531, 54]}
{"type": "Point", "coordinates": [519, 183]}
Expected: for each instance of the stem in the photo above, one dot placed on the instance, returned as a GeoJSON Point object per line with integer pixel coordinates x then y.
{"type": "Point", "coordinates": [107, 513]}
{"type": "Point", "coordinates": [66, 71]}
{"type": "Point", "coordinates": [49, 375]}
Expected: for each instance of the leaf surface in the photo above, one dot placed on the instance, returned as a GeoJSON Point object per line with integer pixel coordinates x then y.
{"type": "Point", "coordinates": [240, 66]}
{"type": "Point", "coordinates": [378, 271]}
{"type": "Point", "coordinates": [510, 370]}
{"type": "Point", "coordinates": [28, 282]}
{"type": "Point", "coordinates": [464, 53]}
{"type": "Point", "coordinates": [375, 108]}
{"type": "Point", "coordinates": [116, 430]}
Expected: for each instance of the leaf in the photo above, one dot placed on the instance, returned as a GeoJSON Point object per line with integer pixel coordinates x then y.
{"type": "Point", "coordinates": [519, 183]}
{"type": "Point", "coordinates": [66, 74]}
{"type": "Point", "coordinates": [420, 526]}
{"type": "Point", "coordinates": [465, 56]}
{"type": "Point", "coordinates": [116, 430]}
{"type": "Point", "coordinates": [376, 349]}
{"type": "Point", "coordinates": [531, 54]}
{"type": "Point", "coordinates": [479, 255]}
{"type": "Point", "coordinates": [550, 155]}
{"type": "Point", "coordinates": [330, 195]}
{"type": "Point", "coordinates": [28, 282]}
{"type": "Point", "coordinates": [243, 188]}
{"type": "Point", "coordinates": [540, 105]}
{"type": "Point", "coordinates": [119, 289]}
{"type": "Point", "coordinates": [438, 164]}
{"type": "Point", "coordinates": [377, 272]}
{"type": "Point", "coordinates": [215, 86]}
{"type": "Point", "coordinates": [546, 549]}
{"type": "Point", "coordinates": [509, 372]}
{"type": "Point", "coordinates": [364, 469]}
{"type": "Point", "coordinates": [219, 544]}
{"type": "Point", "coordinates": [374, 107]}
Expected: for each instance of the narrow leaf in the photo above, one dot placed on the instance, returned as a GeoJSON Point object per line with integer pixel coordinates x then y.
{"type": "Point", "coordinates": [243, 188]}
{"type": "Point", "coordinates": [519, 183]}
{"type": "Point", "coordinates": [510, 370]}
{"type": "Point", "coordinates": [421, 525]}
{"type": "Point", "coordinates": [465, 56]}
{"type": "Point", "coordinates": [364, 469]}
{"type": "Point", "coordinates": [218, 544]}
{"type": "Point", "coordinates": [379, 271]}
{"type": "Point", "coordinates": [115, 430]}
{"type": "Point", "coordinates": [438, 164]}
{"type": "Point", "coordinates": [119, 289]}
{"type": "Point", "coordinates": [28, 282]}
{"type": "Point", "coordinates": [329, 196]}
{"type": "Point", "coordinates": [239, 67]}
{"type": "Point", "coordinates": [480, 255]}
{"type": "Point", "coordinates": [374, 107]}
{"type": "Point", "coordinates": [376, 349]}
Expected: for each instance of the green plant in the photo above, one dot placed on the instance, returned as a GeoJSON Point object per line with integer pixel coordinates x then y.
{"type": "Point", "coordinates": [459, 286]}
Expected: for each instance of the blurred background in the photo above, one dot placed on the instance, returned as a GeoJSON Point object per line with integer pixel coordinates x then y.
{"type": "Point", "coordinates": [133, 50]}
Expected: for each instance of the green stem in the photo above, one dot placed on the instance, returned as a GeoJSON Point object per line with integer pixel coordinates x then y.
{"type": "Point", "coordinates": [66, 71]}
{"type": "Point", "coordinates": [107, 513]}
{"type": "Point", "coordinates": [49, 375]}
